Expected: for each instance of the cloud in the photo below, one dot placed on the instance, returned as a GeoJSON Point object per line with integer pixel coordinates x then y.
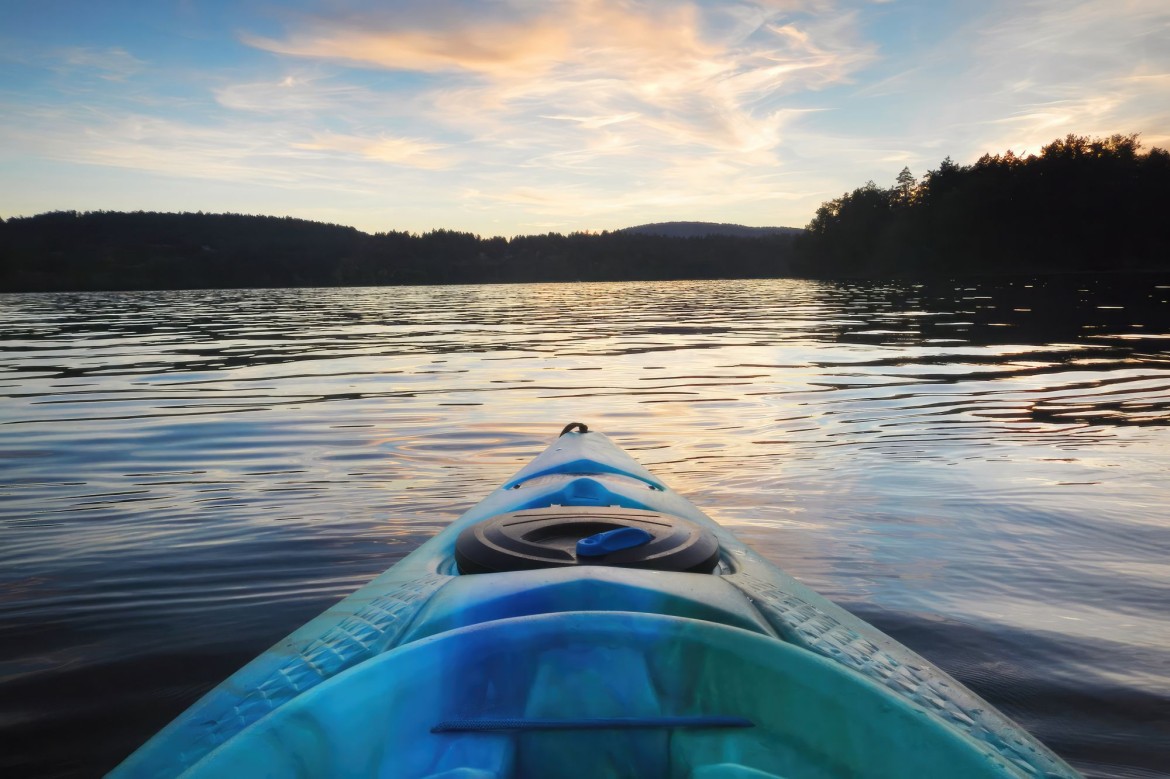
{"type": "Point", "coordinates": [703, 186]}
{"type": "Point", "coordinates": [411, 152]}
{"type": "Point", "coordinates": [501, 40]}
{"type": "Point", "coordinates": [1091, 67]}
{"type": "Point", "coordinates": [111, 64]}
{"type": "Point", "coordinates": [987, 78]}
{"type": "Point", "coordinates": [484, 48]}
{"type": "Point", "coordinates": [671, 74]}
{"type": "Point", "coordinates": [239, 151]}
{"type": "Point", "coordinates": [294, 94]}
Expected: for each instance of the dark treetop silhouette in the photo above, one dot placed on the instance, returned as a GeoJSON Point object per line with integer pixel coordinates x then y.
{"type": "Point", "coordinates": [1080, 205]}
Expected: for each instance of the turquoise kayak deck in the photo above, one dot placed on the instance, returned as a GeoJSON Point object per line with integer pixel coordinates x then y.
{"type": "Point", "coordinates": [587, 671]}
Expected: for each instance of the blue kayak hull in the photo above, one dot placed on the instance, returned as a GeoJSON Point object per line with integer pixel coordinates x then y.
{"type": "Point", "coordinates": [590, 670]}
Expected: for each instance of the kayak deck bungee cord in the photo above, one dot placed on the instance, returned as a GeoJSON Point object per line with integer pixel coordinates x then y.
{"type": "Point", "coordinates": [584, 620]}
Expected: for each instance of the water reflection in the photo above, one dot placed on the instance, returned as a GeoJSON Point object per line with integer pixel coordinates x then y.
{"type": "Point", "coordinates": [977, 467]}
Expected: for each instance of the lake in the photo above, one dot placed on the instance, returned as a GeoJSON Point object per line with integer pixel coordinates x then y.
{"type": "Point", "coordinates": [979, 468]}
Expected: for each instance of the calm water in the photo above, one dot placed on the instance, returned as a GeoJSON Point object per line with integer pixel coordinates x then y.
{"type": "Point", "coordinates": [977, 468]}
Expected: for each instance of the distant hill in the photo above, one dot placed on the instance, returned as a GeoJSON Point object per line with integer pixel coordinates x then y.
{"type": "Point", "coordinates": [703, 229]}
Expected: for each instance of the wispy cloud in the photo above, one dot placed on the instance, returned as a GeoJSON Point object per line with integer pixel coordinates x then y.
{"type": "Point", "coordinates": [671, 73]}
{"type": "Point", "coordinates": [112, 64]}
{"type": "Point", "coordinates": [294, 94]}
{"type": "Point", "coordinates": [1087, 66]}
{"type": "Point", "coordinates": [1002, 75]}
{"type": "Point", "coordinates": [411, 152]}
{"type": "Point", "coordinates": [509, 40]}
{"type": "Point", "coordinates": [93, 135]}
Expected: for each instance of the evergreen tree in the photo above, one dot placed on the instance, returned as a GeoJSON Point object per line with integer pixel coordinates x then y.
{"type": "Point", "coordinates": [1082, 204]}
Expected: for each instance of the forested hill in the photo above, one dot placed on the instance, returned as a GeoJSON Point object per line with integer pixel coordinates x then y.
{"type": "Point", "coordinates": [1080, 205]}
{"type": "Point", "coordinates": [702, 229]}
{"type": "Point", "coordinates": [111, 251]}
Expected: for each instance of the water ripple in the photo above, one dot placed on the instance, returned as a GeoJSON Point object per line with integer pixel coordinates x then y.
{"type": "Point", "coordinates": [977, 467]}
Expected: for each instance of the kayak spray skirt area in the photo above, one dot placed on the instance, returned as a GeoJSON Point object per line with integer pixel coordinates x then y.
{"type": "Point", "coordinates": [587, 694]}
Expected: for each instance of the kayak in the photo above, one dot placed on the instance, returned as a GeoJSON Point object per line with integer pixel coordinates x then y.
{"type": "Point", "coordinates": [585, 620]}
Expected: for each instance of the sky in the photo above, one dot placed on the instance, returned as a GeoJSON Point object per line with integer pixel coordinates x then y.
{"type": "Point", "coordinates": [507, 117]}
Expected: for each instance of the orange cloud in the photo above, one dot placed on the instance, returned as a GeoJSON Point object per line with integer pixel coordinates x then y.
{"type": "Point", "coordinates": [520, 46]}
{"type": "Point", "coordinates": [488, 48]}
{"type": "Point", "coordinates": [410, 152]}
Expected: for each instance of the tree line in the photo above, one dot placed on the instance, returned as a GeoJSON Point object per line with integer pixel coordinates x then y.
{"type": "Point", "coordinates": [105, 250]}
{"type": "Point", "coordinates": [1081, 205]}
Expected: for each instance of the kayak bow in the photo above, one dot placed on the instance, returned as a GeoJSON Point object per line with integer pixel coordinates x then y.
{"type": "Point", "coordinates": [584, 620]}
